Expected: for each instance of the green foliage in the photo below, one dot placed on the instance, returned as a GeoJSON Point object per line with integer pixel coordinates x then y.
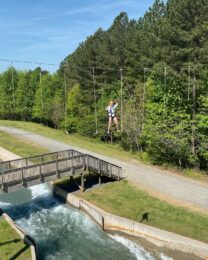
{"type": "Point", "coordinates": [163, 58]}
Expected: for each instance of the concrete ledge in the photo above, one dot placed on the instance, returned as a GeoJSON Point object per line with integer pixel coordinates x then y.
{"type": "Point", "coordinates": [26, 238]}
{"type": "Point", "coordinates": [157, 236]}
{"type": "Point", "coordinates": [6, 155]}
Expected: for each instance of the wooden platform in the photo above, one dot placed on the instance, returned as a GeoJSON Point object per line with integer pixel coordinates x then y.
{"type": "Point", "coordinates": [42, 168]}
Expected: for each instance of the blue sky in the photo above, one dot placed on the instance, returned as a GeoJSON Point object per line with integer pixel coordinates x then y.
{"type": "Point", "coordinates": [48, 30]}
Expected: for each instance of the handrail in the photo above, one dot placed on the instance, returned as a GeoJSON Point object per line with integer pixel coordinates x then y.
{"type": "Point", "coordinates": [53, 167]}
{"type": "Point", "coordinates": [37, 156]}
{"type": "Point", "coordinates": [39, 164]}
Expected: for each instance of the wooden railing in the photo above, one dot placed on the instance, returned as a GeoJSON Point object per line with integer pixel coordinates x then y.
{"type": "Point", "coordinates": [42, 168]}
{"type": "Point", "coordinates": [104, 168]}
{"type": "Point", "coordinates": [18, 163]}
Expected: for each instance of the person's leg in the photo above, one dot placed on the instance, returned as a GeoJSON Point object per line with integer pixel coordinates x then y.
{"type": "Point", "coordinates": [115, 120]}
{"type": "Point", "coordinates": [109, 123]}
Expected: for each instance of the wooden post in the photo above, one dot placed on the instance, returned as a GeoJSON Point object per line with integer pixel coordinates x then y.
{"type": "Point", "coordinates": [99, 172]}
{"type": "Point", "coordinates": [82, 181]}
{"type": "Point", "coordinates": [86, 162]}
{"type": "Point", "coordinates": [111, 137]}
{"type": "Point", "coordinates": [119, 174]}
{"type": "Point", "coordinates": [41, 176]}
{"type": "Point", "coordinates": [103, 223]}
{"type": "Point", "coordinates": [2, 181]}
{"type": "Point", "coordinates": [9, 165]}
{"type": "Point", "coordinates": [110, 169]}
{"type": "Point", "coordinates": [22, 175]}
{"type": "Point", "coordinates": [95, 100]}
{"type": "Point", "coordinates": [121, 97]}
{"type": "Point", "coordinates": [57, 170]}
{"type": "Point", "coordinates": [193, 119]}
{"type": "Point", "coordinates": [72, 165]}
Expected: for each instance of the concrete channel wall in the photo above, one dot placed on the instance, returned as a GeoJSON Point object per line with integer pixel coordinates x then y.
{"type": "Point", "coordinates": [157, 236]}
{"type": "Point", "coordinates": [26, 238]}
{"type": "Point", "coordinates": [6, 155]}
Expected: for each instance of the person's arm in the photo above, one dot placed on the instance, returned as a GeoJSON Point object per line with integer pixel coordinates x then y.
{"type": "Point", "coordinates": [115, 105]}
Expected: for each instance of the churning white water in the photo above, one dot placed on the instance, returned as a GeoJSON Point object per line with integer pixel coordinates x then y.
{"type": "Point", "coordinates": [63, 232]}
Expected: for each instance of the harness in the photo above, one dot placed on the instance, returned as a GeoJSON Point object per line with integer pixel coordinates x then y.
{"type": "Point", "coordinates": [111, 111]}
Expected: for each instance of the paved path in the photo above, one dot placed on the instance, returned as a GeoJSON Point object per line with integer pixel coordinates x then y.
{"type": "Point", "coordinates": [168, 186]}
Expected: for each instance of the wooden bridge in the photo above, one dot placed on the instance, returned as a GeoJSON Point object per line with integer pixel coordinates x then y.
{"type": "Point", "coordinates": [42, 168]}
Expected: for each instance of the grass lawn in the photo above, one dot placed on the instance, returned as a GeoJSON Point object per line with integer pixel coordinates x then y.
{"type": "Point", "coordinates": [11, 246]}
{"type": "Point", "coordinates": [91, 144]}
{"type": "Point", "coordinates": [123, 199]}
{"type": "Point", "coordinates": [21, 147]}
{"type": "Point", "coordinates": [96, 146]}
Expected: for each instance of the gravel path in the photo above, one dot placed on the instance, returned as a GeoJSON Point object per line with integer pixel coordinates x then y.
{"type": "Point", "coordinates": [166, 185]}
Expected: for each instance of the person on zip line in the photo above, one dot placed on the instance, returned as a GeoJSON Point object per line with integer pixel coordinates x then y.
{"type": "Point", "coordinates": [112, 105]}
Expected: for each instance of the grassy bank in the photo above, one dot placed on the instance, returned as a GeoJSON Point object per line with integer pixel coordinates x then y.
{"type": "Point", "coordinates": [123, 199]}
{"type": "Point", "coordinates": [91, 144]}
{"type": "Point", "coordinates": [96, 146]}
{"type": "Point", "coordinates": [21, 147]}
{"type": "Point", "coordinates": [11, 246]}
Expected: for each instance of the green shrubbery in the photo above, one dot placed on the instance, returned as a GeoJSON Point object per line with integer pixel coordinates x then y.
{"type": "Point", "coordinates": [163, 58]}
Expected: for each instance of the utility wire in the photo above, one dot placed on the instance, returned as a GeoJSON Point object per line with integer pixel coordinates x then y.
{"type": "Point", "coordinates": [30, 62]}
{"type": "Point", "coordinates": [108, 69]}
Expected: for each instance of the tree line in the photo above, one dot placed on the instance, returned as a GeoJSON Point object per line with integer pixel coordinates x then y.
{"type": "Point", "coordinates": [154, 67]}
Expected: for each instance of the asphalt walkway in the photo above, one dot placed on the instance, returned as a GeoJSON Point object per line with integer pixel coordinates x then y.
{"type": "Point", "coordinates": [163, 184]}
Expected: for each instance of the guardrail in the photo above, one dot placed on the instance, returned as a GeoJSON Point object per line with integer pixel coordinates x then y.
{"type": "Point", "coordinates": [33, 170]}
{"type": "Point", "coordinates": [41, 158]}
{"type": "Point", "coordinates": [103, 167]}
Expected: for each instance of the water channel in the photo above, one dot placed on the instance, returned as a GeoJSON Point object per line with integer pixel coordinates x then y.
{"type": "Point", "coordinates": [63, 232]}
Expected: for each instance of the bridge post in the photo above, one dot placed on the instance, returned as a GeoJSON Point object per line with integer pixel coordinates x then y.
{"type": "Point", "coordinates": [40, 172]}
{"type": "Point", "coordinates": [24, 184]}
{"type": "Point", "coordinates": [57, 170]}
{"type": "Point", "coordinates": [99, 171]}
{"type": "Point", "coordinates": [119, 174]}
{"type": "Point", "coordinates": [10, 165]}
{"type": "Point", "coordinates": [82, 181]}
{"type": "Point", "coordinates": [111, 170]}
{"type": "Point", "coordinates": [86, 162]}
{"type": "Point", "coordinates": [2, 181]}
{"type": "Point", "coordinates": [72, 166]}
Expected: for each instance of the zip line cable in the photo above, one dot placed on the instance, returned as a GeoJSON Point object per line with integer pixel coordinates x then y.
{"type": "Point", "coordinates": [28, 62]}
{"type": "Point", "coordinates": [88, 69]}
